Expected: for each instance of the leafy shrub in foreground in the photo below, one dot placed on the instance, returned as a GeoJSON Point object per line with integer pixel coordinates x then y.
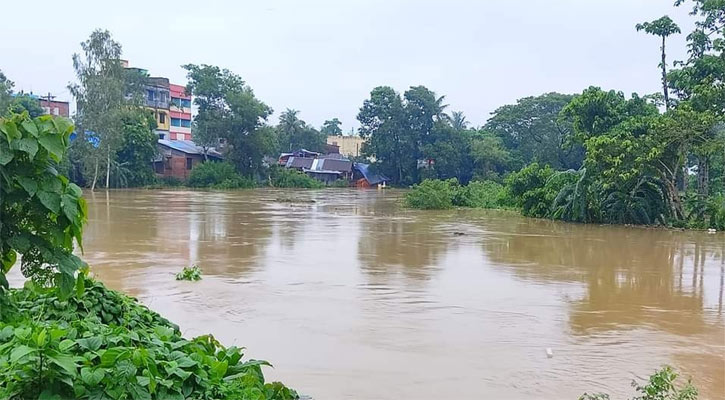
{"type": "Point", "coordinates": [99, 344]}
{"type": "Point", "coordinates": [42, 212]}
{"type": "Point", "coordinates": [431, 194]}
{"type": "Point", "coordinates": [218, 175]}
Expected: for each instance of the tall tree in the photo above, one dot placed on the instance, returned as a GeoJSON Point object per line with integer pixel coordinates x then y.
{"type": "Point", "coordinates": [458, 120]}
{"type": "Point", "coordinates": [388, 139]}
{"type": "Point", "coordinates": [331, 127]}
{"type": "Point", "coordinates": [699, 83]}
{"type": "Point", "coordinates": [6, 92]}
{"type": "Point", "coordinates": [100, 97]}
{"type": "Point", "coordinates": [294, 133]}
{"type": "Point", "coordinates": [532, 131]}
{"type": "Point", "coordinates": [229, 110]}
{"type": "Point", "coordinates": [662, 27]}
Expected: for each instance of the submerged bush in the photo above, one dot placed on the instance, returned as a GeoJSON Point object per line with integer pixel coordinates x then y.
{"type": "Point", "coordinates": [485, 194]}
{"type": "Point", "coordinates": [529, 191]}
{"type": "Point", "coordinates": [218, 175]}
{"type": "Point", "coordinates": [290, 178]}
{"type": "Point", "coordinates": [192, 273]}
{"type": "Point", "coordinates": [431, 194]}
{"type": "Point", "coordinates": [100, 344]}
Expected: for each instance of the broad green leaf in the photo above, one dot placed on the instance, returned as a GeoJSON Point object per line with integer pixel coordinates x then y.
{"type": "Point", "coordinates": [218, 369]}
{"type": "Point", "coordinates": [6, 155]}
{"type": "Point", "coordinates": [75, 190]}
{"type": "Point", "coordinates": [27, 145]}
{"type": "Point", "coordinates": [112, 355]}
{"type": "Point", "coordinates": [66, 344]}
{"type": "Point", "coordinates": [48, 394]}
{"type": "Point", "coordinates": [10, 130]}
{"type": "Point", "coordinates": [143, 380]}
{"type": "Point", "coordinates": [64, 361]}
{"type": "Point", "coordinates": [40, 339]}
{"type": "Point", "coordinates": [138, 392]}
{"type": "Point", "coordinates": [7, 260]}
{"type": "Point", "coordinates": [65, 284]}
{"type": "Point", "coordinates": [92, 343]}
{"type": "Point", "coordinates": [69, 205]}
{"type": "Point", "coordinates": [6, 333]}
{"type": "Point", "coordinates": [29, 126]}
{"type": "Point", "coordinates": [51, 201]}
{"type": "Point", "coordinates": [28, 184]}
{"type": "Point", "coordinates": [92, 377]}
{"type": "Point", "coordinates": [20, 352]}
{"type": "Point", "coordinates": [80, 285]}
{"type": "Point", "coordinates": [51, 184]}
{"type": "Point", "coordinates": [53, 144]}
{"type": "Point", "coordinates": [126, 368]}
{"type": "Point", "coordinates": [23, 333]}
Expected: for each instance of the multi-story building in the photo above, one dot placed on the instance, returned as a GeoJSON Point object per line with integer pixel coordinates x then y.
{"type": "Point", "coordinates": [170, 104]}
{"type": "Point", "coordinates": [157, 98]}
{"type": "Point", "coordinates": [350, 146]}
{"type": "Point", "coordinates": [54, 107]}
{"type": "Point", "coordinates": [180, 112]}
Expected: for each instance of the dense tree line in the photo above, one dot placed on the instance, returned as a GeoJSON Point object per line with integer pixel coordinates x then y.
{"type": "Point", "coordinates": [599, 156]}
{"type": "Point", "coordinates": [596, 156]}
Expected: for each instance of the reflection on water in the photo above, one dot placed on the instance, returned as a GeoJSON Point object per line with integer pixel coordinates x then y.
{"type": "Point", "coordinates": [352, 297]}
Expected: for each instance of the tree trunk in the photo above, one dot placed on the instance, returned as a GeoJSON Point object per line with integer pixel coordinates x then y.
{"type": "Point", "coordinates": [95, 177]}
{"type": "Point", "coordinates": [108, 167]}
{"type": "Point", "coordinates": [703, 176]}
{"type": "Point", "coordinates": [664, 76]}
{"type": "Point", "coordinates": [674, 195]}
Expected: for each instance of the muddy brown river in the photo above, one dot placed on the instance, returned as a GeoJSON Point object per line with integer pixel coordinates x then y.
{"type": "Point", "coordinates": [351, 296]}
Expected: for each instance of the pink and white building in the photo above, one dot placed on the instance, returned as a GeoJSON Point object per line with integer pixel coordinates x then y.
{"type": "Point", "coordinates": [180, 113]}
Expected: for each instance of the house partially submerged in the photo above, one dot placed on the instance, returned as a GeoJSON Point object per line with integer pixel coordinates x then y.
{"type": "Point", "coordinates": [328, 170]}
{"type": "Point", "coordinates": [177, 158]}
{"type": "Point", "coordinates": [365, 178]}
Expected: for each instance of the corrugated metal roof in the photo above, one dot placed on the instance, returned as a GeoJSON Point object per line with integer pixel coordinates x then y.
{"type": "Point", "coordinates": [188, 147]}
{"type": "Point", "coordinates": [373, 179]}
{"type": "Point", "coordinates": [299, 162]}
{"type": "Point", "coordinates": [331, 164]}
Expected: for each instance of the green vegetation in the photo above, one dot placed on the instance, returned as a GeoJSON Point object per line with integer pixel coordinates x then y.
{"type": "Point", "coordinates": [66, 336]}
{"type": "Point", "coordinates": [41, 212]}
{"type": "Point", "coordinates": [435, 194]}
{"type": "Point", "coordinates": [192, 273]}
{"type": "Point", "coordinates": [660, 386]}
{"type": "Point", "coordinates": [431, 194]}
{"type": "Point", "coordinates": [289, 178]}
{"type": "Point", "coordinates": [217, 175]}
{"type": "Point", "coordinates": [596, 157]}
{"type": "Point", "coordinates": [100, 344]}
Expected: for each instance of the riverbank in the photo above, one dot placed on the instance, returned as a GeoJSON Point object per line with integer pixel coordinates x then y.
{"type": "Point", "coordinates": [98, 343]}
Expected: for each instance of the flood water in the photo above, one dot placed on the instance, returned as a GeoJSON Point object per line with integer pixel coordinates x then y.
{"type": "Point", "coordinates": [353, 297]}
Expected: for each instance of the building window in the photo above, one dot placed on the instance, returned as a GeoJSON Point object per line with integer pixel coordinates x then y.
{"type": "Point", "coordinates": [186, 103]}
{"type": "Point", "coordinates": [175, 121]}
{"type": "Point", "coordinates": [176, 101]}
{"type": "Point", "coordinates": [186, 123]}
{"type": "Point", "coordinates": [188, 162]}
{"type": "Point", "coordinates": [162, 118]}
{"type": "Point", "coordinates": [149, 95]}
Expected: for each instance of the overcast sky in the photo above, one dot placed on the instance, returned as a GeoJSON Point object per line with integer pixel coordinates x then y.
{"type": "Point", "coordinates": [324, 57]}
